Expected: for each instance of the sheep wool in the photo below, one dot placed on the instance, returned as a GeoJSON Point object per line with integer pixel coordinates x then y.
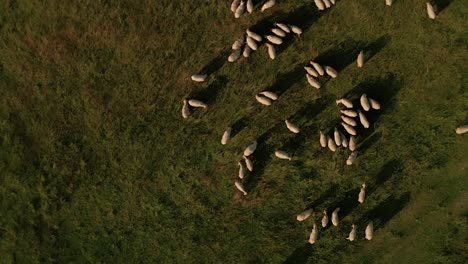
{"type": "Point", "coordinates": [226, 136]}
{"type": "Point", "coordinates": [360, 59]}
{"type": "Point", "coordinates": [240, 187]}
{"type": "Point", "coordinates": [362, 193]}
{"type": "Point", "coordinates": [461, 129]}
{"type": "Point", "coordinates": [263, 100]}
{"type": "Point", "coordinates": [240, 10]}
{"type": "Point", "coordinates": [327, 3]}
{"type": "Point", "coordinates": [430, 11]}
{"type": "Point", "coordinates": [323, 140]}
{"type": "Point", "coordinates": [349, 129]}
{"type": "Point", "coordinates": [235, 5]}
{"type": "Point", "coordinates": [313, 235]}
{"type": "Point", "coordinates": [271, 51]}
{"type": "Point", "coordinates": [248, 163]}
{"type": "Point", "coordinates": [250, 149]}
{"type": "Point", "coordinates": [352, 157]}
{"type": "Point", "coordinates": [197, 103]}
{"type": "Point", "coordinates": [282, 155]}
{"type": "Point", "coordinates": [251, 43]}
{"type": "Point", "coordinates": [274, 39]}
{"type": "Point", "coordinates": [185, 109]}
{"type": "Point", "coordinates": [388, 2]}
{"type": "Point", "coordinates": [241, 170]}
{"type": "Point", "coordinates": [247, 51]}
{"type": "Point", "coordinates": [331, 72]}
{"type": "Point", "coordinates": [311, 71]}
{"type": "Point", "coordinates": [350, 113]}
{"type": "Point", "coordinates": [254, 35]}
{"type": "Point", "coordinates": [283, 27]}
{"type": "Point", "coordinates": [278, 32]}
{"type": "Point", "coordinates": [269, 94]}
{"type": "Point", "coordinates": [374, 104]}
{"type": "Point", "coordinates": [313, 82]}
{"type": "Point", "coordinates": [335, 220]}
{"type": "Point", "coordinates": [292, 127]}
{"type": "Point", "coordinates": [344, 140]}
{"type": "Point", "coordinates": [320, 5]}
{"type": "Point", "coordinates": [370, 231]}
{"type": "Point", "coordinates": [331, 145]}
{"type": "Point", "coordinates": [352, 143]}
{"type": "Point", "coordinates": [365, 102]}
{"type": "Point", "coordinates": [325, 219]}
{"type": "Point", "coordinates": [199, 77]}
{"type": "Point", "coordinates": [238, 43]}
{"type": "Point", "coordinates": [337, 137]}
{"type": "Point", "coordinates": [348, 120]}
{"type": "Point", "coordinates": [365, 123]}
{"type": "Point", "coordinates": [250, 6]}
{"type": "Point", "coordinates": [345, 102]}
{"type": "Point", "coordinates": [296, 30]}
{"type": "Point", "coordinates": [234, 55]}
{"type": "Point", "coordinates": [318, 68]}
{"type": "Point", "coordinates": [304, 215]}
{"type": "Point", "coordinates": [267, 5]}
{"type": "Point", "coordinates": [352, 234]}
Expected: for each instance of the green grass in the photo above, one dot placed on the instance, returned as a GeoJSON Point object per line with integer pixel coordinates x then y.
{"type": "Point", "coordinates": [97, 164]}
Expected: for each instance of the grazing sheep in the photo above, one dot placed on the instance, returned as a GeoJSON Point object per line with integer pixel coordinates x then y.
{"type": "Point", "coordinates": [269, 94]}
{"type": "Point", "coordinates": [388, 2]}
{"type": "Point", "coordinates": [337, 137]}
{"type": "Point", "coordinates": [362, 193]}
{"type": "Point", "coordinates": [240, 10]}
{"type": "Point", "coordinates": [350, 113]}
{"type": "Point", "coordinates": [247, 51]}
{"type": "Point", "coordinates": [430, 11]}
{"type": "Point", "coordinates": [274, 39]}
{"type": "Point", "coordinates": [344, 102]}
{"type": "Point", "coordinates": [311, 71]}
{"type": "Point", "coordinates": [352, 143]}
{"type": "Point", "coordinates": [250, 149]}
{"type": "Point", "coordinates": [238, 43]}
{"type": "Point", "coordinates": [251, 43]}
{"type": "Point", "coordinates": [278, 32]}
{"type": "Point", "coordinates": [226, 136]}
{"type": "Point", "coordinates": [331, 144]}
{"type": "Point", "coordinates": [197, 103]}
{"type": "Point", "coordinates": [271, 50]}
{"type": "Point", "coordinates": [334, 219]}
{"type": "Point", "coordinates": [241, 170]}
{"type": "Point", "coordinates": [248, 163]}
{"type": "Point", "coordinates": [263, 100]}
{"type": "Point", "coordinates": [234, 55]}
{"type": "Point", "coordinates": [292, 127]}
{"type": "Point", "coordinates": [304, 215]}
{"type": "Point", "coordinates": [254, 35]}
{"type": "Point", "coordinates": [349, 120]}
{"type": "Point", "coordinates": [325, 219]}
{"type": "Point", "coordinates": [370, 231]}
{"type": "Point", "coordinates": [374, 104]}
{"type": "Point", "coordinates": [461, 129]}
{"type": "Point", "coordinates": [282, 155]}
{"type": "Point", "coordinates": [349, 129]}
{"type": "Point", "coordinates": [360, 59]}
{"type": "Point", "coordinates": [323, 140]}
{"type": "Point", "coordinates": [235, 5]}
{"type": "Point", "coordinates": [318, 68]}
{"type": "Point", "coordinates": [351, 158]}
{"type": "Point", "coordinates": [250, 6]}
{"type": "Point", "coordinates": [297, 30]}
{"type": "Point", "coordinates": [313, 82]}
{"type": "Point", "coordinates": [185, 109]}
{"type": "Point", "coordinates": [344, 140]}
{"type": "Point", "coordinates": [267, 5]}
{"type": "Point", "coordinates": [331, 72]}
{"type": "Point", "coordinates": [283, 27]}
{"type": "Point", "coordinates": [363, 119]}
{"type": "Point", "coordinates": [365, 102]}
{"type": "Point", "coordinates": [320, 5]}
{"type": "Point", "coordinates": [313, 235]}
{"type": "Point", "coordinates": [240, 187]}
{"type": "Point", "coordinates": [327, 3]}
{"type": "Point", "coordinates": [199, 77]}
{"type": "Point", "coordinates": [352, 234]}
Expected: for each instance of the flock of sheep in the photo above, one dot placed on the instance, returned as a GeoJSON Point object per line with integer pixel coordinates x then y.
{"type": "Point", "coordinates": [314, 72]}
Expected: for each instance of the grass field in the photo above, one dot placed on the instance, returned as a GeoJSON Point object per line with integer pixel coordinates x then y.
{"type": "Point", "coordinates": [98, 166]}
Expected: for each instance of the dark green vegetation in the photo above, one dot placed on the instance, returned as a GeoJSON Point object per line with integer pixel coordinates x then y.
{"type": "Point", "coordinates": [97, 164]}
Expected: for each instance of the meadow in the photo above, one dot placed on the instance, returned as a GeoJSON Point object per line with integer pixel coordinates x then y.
{"type": "Point", "coordinates": [97, 164]}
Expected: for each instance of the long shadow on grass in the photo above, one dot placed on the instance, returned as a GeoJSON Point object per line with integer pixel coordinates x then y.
{"type": "Point", "coordinates": [209, 94]}
{"type": "Point", "coordinates": [441, 4]}
{"type": "Point", "coordinates": [392, 168]}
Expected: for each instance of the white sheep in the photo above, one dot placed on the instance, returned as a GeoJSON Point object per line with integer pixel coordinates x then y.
{"type": "Point", "coordinates": [282, 155]}
{"type": "Point", "coordinates": [234, 55]}
{"type": "Point", "coordinates": [254, 35]}
{"type": "Point", "coordinates": [185, 109]}
{"type": "Point", "coordinates": [238, 43]}
{"type": "Point", "coordinates": [349, 120]}
{"type": "Point", "coordinates": [304, 215]}
{"type": "Point", "coordinates": [252, 44]}
{"type": "Point", "coordinates": [240, 10]}
{"type": "Point", "coordinates": [323, 140]}
{"type": "Point", "coordinates": [430, 11]}
{"type": "Point", "coordinates": [351, 158]}
{"type": "Point", "coordinates": [267, 5]}
{"type": "Point", "coordinates": [388, 2]}
{"type": "Point", "coordinates": [235, 5]}
{"type": "Point", "coordinates": [248, 163]}
{"type": "Point", "coordinates": [365, 123]}
{"type": "Point", "coordinates": [327, 3]}
{"type": "Point", "coordinates": [325, 219]}
{"type": "Point", "coordinates": [335, 221]}
{"type": "Point", "coordinates": [292, 127]}
{"type": "Point", "coordinates": [250, 6]}
{"type": "Point", "coordinates": [331, 72]}
{"type": "Point", "coordinates": [365, 102]}
{"type": "Point", "coordinates": [352, 143]}
{"type": "Point", "coordinates": [332, 1]}
{"type": "Point", "coordinates": [311, 71]}
{"type": "Point", "coordinates": [283, 27]}
{"type": "Point", "coordinates": [226, 136]}
{"type": "Point", "coordinates": [374, 104]}
{"type": "Point", "coordinates": [345, 102]}
{"type": "Point", "coordinates": [313, 235]}
{"type": "Point", "coordinates": [337, 137]}
{"type": "Point", "coordinates": [461, 129]}
{"type": "Point", "coordinates": [271, 50]}
{"type": "Point", "coordinates": [352, 234]}
{"type": "Point", "coordinates": [331, 144]}
{"type": "Point", "coordinates": [362, 193]}
{"type": "Point", "coordinates": [247, 51]}
{"type": "Point", "coordinates": [370, 231]}
{"type": "Point", "coordinates": [297, 30]}
{"type": "Point", "coordinates": [360, 59]}
{"type": "Point", "coordinates": [250, 149]}
{"type": "Point", "coordinates": [241, 170]}
{"type": "Point", "coordinates": [320, 5]}
{"type": "Point", "coordinates": [349, 129]}
{"type": "Point", "coordinates": [199, 77]}
{"type": "Point", "coordinates": [263, 100]}
{"type": "Point", "coordinates": [240, 187]}
{"type": "Point", "coordinates": [269, 94]}
{"type": "Point", "coordinates": [344, 140]}
{"type": "Point", "coordinates": [318, 68]}
{"type": "Point", "coordinates": [350, 113]}
{"type": "Point", "coordinates": [197, 103]}
{"type": "Point", "coordinates": [278, 32]}
{"type": "Point", "coordinates": [274, 39]}
{"type": "Point", "coordinates": [313, 82]}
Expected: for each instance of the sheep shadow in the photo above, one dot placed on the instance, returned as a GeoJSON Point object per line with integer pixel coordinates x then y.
{"type": "Point", "coordinates": [239, 125]}
{"type": "Point", "coordinates": [209, 94]}
{"type": "Point", "coordinates": [215, 64]}
{"type": "Point", "coordinates": [301, 254]}
{"type": "Point", "coordinates": [329, 193]}
{"type": "Point", "coordinates": [391, 168]}
{"type": "Point", "coordinates": [441, 4]}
